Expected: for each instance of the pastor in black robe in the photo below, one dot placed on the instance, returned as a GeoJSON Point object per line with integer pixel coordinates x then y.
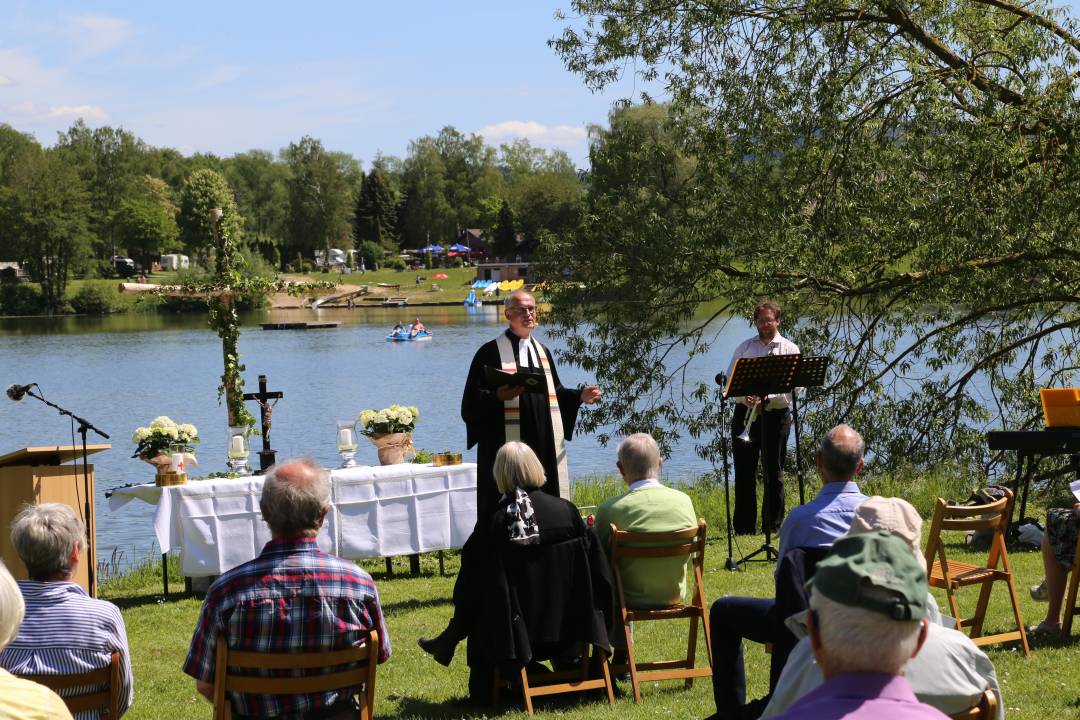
{"type": "Point", "coordinates": [486, 427]}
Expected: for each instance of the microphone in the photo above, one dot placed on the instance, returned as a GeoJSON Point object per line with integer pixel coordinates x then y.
{"type": "Point", "coordinates": [721, 379]}
{"type": "Point", "coordinates": [17, 392]}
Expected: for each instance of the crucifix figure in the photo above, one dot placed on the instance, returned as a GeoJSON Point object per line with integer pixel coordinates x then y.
{"type": "Point", "coordinates": [263, 397]}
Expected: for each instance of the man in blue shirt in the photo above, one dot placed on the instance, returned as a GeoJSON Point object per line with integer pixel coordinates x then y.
{"type": "Point", "coordinates": [817, 524]}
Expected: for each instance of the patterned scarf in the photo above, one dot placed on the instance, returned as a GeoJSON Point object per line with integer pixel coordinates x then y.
{"type": "Point", "coordinates": [521, 525]}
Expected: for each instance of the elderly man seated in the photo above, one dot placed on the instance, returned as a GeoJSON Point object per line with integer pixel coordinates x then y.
{"type": "Point", "coordinates": [20, 698]}
{"type": "Point", "coordinates": [950, 672]}
{"type": "Point", "coordinates": [291, 598]}
{"type": "Point", "coordinates": [65, 630]}
{"type": "Point", "coordinates": [867, 619]}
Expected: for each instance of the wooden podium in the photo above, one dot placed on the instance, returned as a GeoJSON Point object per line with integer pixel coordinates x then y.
{"type": "Point", "coordinates": [38, 475]}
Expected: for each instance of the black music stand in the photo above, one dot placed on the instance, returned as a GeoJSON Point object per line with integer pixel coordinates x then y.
{"type": "Point", "coordinates": [761, 376]}
{"type": "Point", "coordinates": [810, 373]}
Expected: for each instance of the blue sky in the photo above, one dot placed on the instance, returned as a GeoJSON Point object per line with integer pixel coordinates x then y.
{"type": "Point", "coordinates": [226, 77]}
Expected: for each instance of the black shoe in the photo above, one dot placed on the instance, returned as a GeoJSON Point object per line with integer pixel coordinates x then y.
{"type": "Point", "coordinates": [440, 647]}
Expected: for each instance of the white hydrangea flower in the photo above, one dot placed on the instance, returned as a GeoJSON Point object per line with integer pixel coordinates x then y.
{"type": "Point", "coordinates": [381, 418]}
{"type": "Point", "coordinates": [188, 431]}
{"type": "Point", "coordinates": [414, 411]}
{"type": "Point", "coordinates": [173, 432]}
{"type": "Point", "coordinates": [162, 421]}
{"type": "Point", "coordinates": [366, 417]}
{"type": "Point", "coordinates": [404, 417]}
{"type": "Point", "coordinates": [140, 435]}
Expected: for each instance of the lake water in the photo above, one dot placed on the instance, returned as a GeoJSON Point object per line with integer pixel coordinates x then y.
{"type": "Point", "coordinates": [120, 372]}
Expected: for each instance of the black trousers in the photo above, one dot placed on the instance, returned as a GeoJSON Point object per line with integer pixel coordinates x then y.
{"type": "Point", "coordinates": [776, 425]}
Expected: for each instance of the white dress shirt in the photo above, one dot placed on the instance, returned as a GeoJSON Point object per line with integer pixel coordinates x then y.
{"type": "Point", "coordinates": [752, 348]}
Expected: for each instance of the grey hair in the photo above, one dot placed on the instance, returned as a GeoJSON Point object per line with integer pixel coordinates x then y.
{"type": "Point", "coordinates": [516, 466]}
{"type": "Point", "coordinates": [294, 497]}
{"type": "Point", "coordinates": [43, 536]}
{"type": "Point", "coordinates": [11, 607]}
{"type": "Point", "coordinates": [639, 457]}
{"type": "Point", "coordinates": [855, 639]}
{"type": "Point", "coordinates": [511, 299]}
{"type": "Point", "coordinates": [841, 451]}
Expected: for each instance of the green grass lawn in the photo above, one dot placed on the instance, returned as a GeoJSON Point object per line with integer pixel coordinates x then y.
{"type": "Point", "coordinates": [452, 289]}
{"type": "Point", "coordinates": [411, 684]}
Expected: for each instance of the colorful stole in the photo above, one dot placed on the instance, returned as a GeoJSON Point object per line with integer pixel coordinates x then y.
{"type": "Point", "coordinates": [512, 408]}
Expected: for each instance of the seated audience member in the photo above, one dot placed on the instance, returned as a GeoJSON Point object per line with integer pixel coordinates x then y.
{"type": "Point", "coordinates": [646, 506]}
{"type": "Point", "coordinates": [525, 515]}
{"type": "Point", "coordinates": [817, 524]}
{"type": "Point", "coordinates": [949, 673]}
{"type": "Point", "coordinates": [64, 630]}
{"type": "Point", "coordinates": [292, 598]}
{"type": "Point", "coordinates": [1058, 554]}
{"type": "Point", "coordinates": [867, 619]}
{"type": "Point", "coordinates": [21, 699]}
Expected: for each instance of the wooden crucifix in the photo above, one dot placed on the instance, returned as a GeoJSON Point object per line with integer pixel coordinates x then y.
{"type": "Point", "coordinates": [263, 397]}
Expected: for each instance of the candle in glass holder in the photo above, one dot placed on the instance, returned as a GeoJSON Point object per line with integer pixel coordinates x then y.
{"type": "Point", "coordinates": [176, 462]}
{"type": "Point", "coordinates": [236, 446]}
{"type": "Point", "coordinates": [345, 439]}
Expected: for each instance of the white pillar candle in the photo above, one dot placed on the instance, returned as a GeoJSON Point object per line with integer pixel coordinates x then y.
{"type": "Point", "coordinates": [344, 438]}
{"type": "Point", "coordinates": [236, 444]}
{"type": "Point", "coordinates": [176, 463]}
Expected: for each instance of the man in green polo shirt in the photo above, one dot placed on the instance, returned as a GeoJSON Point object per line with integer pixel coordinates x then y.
{"type": "Point", "coordinates": [646, 506]}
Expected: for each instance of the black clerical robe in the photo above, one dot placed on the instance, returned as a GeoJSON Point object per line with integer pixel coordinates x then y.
{"type": "Point", "coordinates": [485, 426]}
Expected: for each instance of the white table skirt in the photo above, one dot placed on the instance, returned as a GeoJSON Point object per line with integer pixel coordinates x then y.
{"type": "Point", "coordinates": [375, 512]}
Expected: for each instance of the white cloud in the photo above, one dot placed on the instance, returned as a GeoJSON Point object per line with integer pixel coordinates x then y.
{"type": "Point", "coordinates": [94, 35]}
{"type": "Point", "coordinates": [31, 113]}
{"type": "Point", "coordinates": [5, 80]}
{"type": "Point", "coordinates": [537, 133]}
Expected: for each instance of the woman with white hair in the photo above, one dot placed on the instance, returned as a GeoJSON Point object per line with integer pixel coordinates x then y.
{"type": "Point", "coordinates": [21, 699]}
{"type": "Point", "coordinates": [526, 515]}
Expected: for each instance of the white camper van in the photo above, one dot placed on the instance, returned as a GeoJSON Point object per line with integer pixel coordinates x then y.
{"type": "Point", "coordinates": [175, 262]}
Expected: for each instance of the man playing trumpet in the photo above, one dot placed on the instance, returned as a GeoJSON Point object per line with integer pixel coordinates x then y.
{"type": "Point", "coordinates": [753, 417]}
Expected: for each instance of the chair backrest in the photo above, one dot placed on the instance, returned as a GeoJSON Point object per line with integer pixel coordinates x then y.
{"type": "Point", "coordinates": [104, 698]}
{"type": "Point", "coordinates": [985, 709]}
{"type": "Point", "coordinates": [363, 660]}
{"type": "Point", "coordinates": [952, 518]}
{"type": "Point", "coordinates": [689, 543]}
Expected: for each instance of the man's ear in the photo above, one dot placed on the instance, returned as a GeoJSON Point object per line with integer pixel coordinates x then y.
{"type": "Point", "coordinates": [814, 631]}
{"type": "Point", "coordinates": [924, 630]}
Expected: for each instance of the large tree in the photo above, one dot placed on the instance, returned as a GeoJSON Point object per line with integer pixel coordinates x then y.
{"type": "Point", "coordinates": [376, 211]}
{"type": "Point", "coordinates": [321, 190]}
{"type": "Point", "coordinates": [262, 196]}
{"type": "Point", "coordinates": [203, 190]}
{"type": "Point", "coordinates": [903, 177]}
{"type": "Point", "coordinates": [145, 223]}
{"type": "Point", "coordinates": [44, 213]}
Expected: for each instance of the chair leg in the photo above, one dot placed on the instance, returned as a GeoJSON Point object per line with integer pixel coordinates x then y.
{"type": "Point", "coordinates": [635, 684]}
{"type": "Point", "coordinates": [605, 667]}
{"type": "Point", "coordinates": [525, 690]}
{"type": "Point", "coordinates": [954, 606]}
{"type": "Point", "coordinates": [691, 651]}
{"type": "Point", "coordinates": [1070, 600]}
{"type": "Point", "coordinates": [980, 608]}
{"type": "Point", "coordinates": [1015, 599]}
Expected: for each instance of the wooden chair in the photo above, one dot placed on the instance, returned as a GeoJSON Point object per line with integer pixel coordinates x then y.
{"type": "Point", "coordinates": [689, 543]}
{"type": "Point", "coordinates": [953, 574]}
{"type": "Point", "coordinates": [985, 709]}
{"type": "Point", "coordinates": [364, 657]}
{"type": "Point", "coordinates": [1070, 596]}
{"type": "Point", "coordinates": [557, 683]}
{"type": "Point", "coordinates": [105, 700]}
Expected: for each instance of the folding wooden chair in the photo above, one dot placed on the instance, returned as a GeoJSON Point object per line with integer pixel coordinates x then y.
{"type": "Point", "coordinates": [557, 683]}
{"type": "Point", "coordinates": [1070, 597]}
{"type": "Point", "coordinates": [953, 574]}
{"type": "Point", "coordinates": [104, 700]}
{"type": "Point", "coordinates": [365, 658]}
{"type": "Point", "coordinates": [985, 709]}
{"type": "Point", "coordinates": [688, 543]}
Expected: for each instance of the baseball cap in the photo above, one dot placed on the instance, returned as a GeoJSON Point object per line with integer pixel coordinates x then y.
{"type": "Point", "coordinates": [893, 514]}
{"type": "Point", "coordinates": [875, 571]}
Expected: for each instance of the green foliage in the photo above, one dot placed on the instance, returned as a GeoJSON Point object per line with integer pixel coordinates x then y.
{"type": "Point", "coordinates": [260, 185]}
{"type": "Point", "coordinates": [21, 299]}
{"type": "Point", "coordinates": [421, 457]}
{"type": "Point", "coordinates": [146, 228]}
{"type": "Point", "coordinates": [204, 190]}
{"type": "Point", "coordinates": [375, 219]}
{"type": "Point", "coordinates": [321, 187]}
{"type": "Point", "coordinates": [393, 262]}
{"type": "Point", "coordinates": [505, 238]}
{"type": "Point", "coordinates": [97, 297]}
{"type": "Point", "coordinates": [900, 177]}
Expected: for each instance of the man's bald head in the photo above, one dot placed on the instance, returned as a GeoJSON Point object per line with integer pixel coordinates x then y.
{"type": "Point", "coordinates": [517, 297]}
{"type": "Point", "coordinates": [520, 312]}
{"type": "Point", "coordinates": [295, 496]}
{"type": "Point", "coordinates": [840, 456]}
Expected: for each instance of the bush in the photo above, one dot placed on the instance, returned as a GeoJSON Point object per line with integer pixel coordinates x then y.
{"type": "Point", "coordinates": [458, 262]}
{"type": "Point", "coordinates": [277, 259]}
{"type": "Point", "coordinates": [97, 297]}
{"type": "Point", "coordinates": [306, 266]}
{"type": "Point", "coordinates": [297, 265]}
{"type": "Point", "coordinates": [20, 299]}
{"type": "Point", "coordinates": [394, 262]}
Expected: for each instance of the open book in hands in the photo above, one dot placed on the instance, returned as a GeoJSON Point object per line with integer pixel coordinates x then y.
{"type": "Point", "coordinates": [532, 380]}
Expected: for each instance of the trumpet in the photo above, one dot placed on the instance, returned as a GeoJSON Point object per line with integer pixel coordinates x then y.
{"type": "Point", "coordinates": [745, 435]}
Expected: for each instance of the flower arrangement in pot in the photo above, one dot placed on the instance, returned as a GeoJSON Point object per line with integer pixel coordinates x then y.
{"type": "Point", "coordinates": [155, 444]}
{"type": "Point", "coordinates": [390, 431]}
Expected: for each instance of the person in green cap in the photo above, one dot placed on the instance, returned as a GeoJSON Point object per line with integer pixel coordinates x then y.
{"type": "Point", "coordinates": [868, 606]}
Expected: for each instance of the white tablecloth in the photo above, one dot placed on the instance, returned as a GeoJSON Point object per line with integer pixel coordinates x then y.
{"type": "Point", "coordinates": [375, 512]}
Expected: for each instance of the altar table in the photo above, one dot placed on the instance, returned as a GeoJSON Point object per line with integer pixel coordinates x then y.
{"type": "Point", "coordinates": [374, 512]}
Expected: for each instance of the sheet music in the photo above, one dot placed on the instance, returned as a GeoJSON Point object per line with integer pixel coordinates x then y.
{"type": "Point", "coordinates": [1075, 487]}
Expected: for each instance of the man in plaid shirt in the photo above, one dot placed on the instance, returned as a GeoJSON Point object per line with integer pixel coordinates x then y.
{"type": "Point", "coordinates": [292, 598]}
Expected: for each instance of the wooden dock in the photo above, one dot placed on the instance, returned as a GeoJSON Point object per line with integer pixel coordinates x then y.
{"type": "Point", "coordinates": [298, 325]}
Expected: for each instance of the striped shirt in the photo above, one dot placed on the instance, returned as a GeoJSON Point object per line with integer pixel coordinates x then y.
{"type": "Point", "coordinates": [66, 631]}
{"type": "Point", "coordinates": [292, 598]}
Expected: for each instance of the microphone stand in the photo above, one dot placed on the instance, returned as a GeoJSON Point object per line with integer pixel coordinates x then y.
{"type": "Point", "coordinates": [84, 426]}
